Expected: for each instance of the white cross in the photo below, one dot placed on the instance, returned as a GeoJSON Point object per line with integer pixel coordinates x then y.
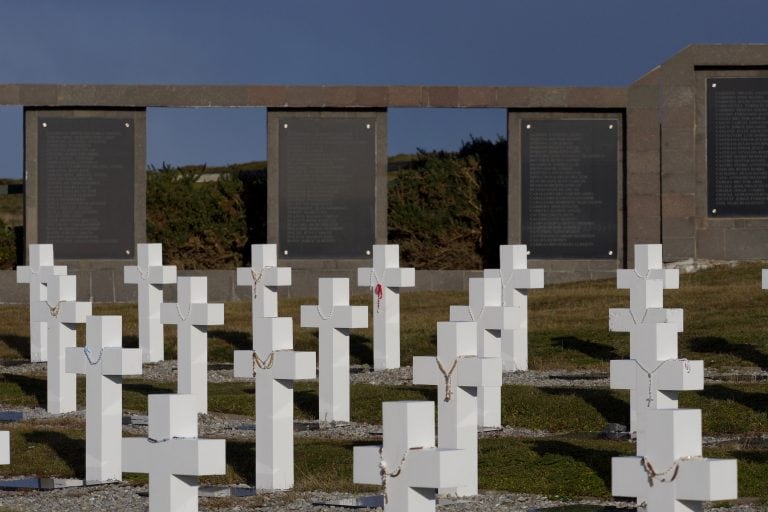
{"type": "Point", "coordinates": [172, 454]}
{"type": "Point", "coordinates": [385, 279]}
{"type": "Point", "coordinates": [458, 372]}
{"type": "Point", "coordinates": [192, 314]}
{"type": "Point", "coordinates": [61, 312]}
{"type": "Point", "coordinates": [334, 317]}
{"type": "Point", "coordinates": [104, 362]}
{"type": "Point", "coordinates": [37, 274]}
{"type": "Point", "coordinates": [5, 447]}
{"type": "Point", "coordinates": [263, 277]}
{"type": "Point", "coordinates": [491, 317]}
{"type": "Point", "coordinates": [408, 465]}
{"type": "Point", "coordinates": [516, 278]}
{"type": "Point", "coordinates": [275, 365]}
{"type": "Point", "coordinates": [654, 375]}
{"type": "Point", "coordinates": [150, 274]}
{"type": "Point", "coordinates": [646, 284]}
{"type": "Point", "coordinates": [672, 476]}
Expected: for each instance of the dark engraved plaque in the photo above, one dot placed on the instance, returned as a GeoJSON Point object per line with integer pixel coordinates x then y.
{"type": "Point", "coordinates": [327, 188]}
{"type": "Point", "coordinates": [569, 188]}
{"type": "Point", "coordinates": [737, 147]}
{"type": "Point", "coordinates": [86, 184]}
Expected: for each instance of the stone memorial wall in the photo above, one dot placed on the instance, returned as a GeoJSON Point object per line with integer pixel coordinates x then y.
{"type": "Point", "coordinates": [685, 165]}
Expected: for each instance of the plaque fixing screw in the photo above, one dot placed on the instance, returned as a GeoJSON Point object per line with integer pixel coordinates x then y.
{"type": "Point", "coordinates": [285, 252]}
{"type": "Point", "coordinates": [128, 252]}
{"type": "Point", "coordinates": [528, 253]}
{"type": "Point", "coordinates": [714, 211]}
{"type": "Point", "coordinates": [527, 127]}
{"type": "Point", "coordinates": [45, 125]}
{"type": "Point", "coordinates": [285, 125]}
{"type": "Point", "coordinates": [368, 126]}
{"type": "Point", "coordinates": [127, 125]}
{"type": "Point", "coordinates": [610, 127]}
{"type": "Point", "coordinates": [714, 85]}
{"type": "Point", "coordinates": [368, 253]}
{"type": "Point", "coordinates": [610, 253]}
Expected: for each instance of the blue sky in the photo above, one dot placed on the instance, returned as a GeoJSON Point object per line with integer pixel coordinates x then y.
{"type": "Point", "coordinates": [357, 42]}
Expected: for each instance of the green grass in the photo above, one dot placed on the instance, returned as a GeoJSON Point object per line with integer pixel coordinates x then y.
{"type": "Point", "coordinates": [725, 325]}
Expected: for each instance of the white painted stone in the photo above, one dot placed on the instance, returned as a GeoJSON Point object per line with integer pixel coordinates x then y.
{"type": "Point", "coordinates": [104, 362]}
{"type": "Point", "coordinates": [37, 274]}
{"type": "Point", "coordinates": [458, 372]}
{"type": "Point", "coordinates": [61, 313]}
{"type": "Point", "coordinates": [192, 314]}
{"type": "Point", "coordinates": [646, 284]}
{"type": "Point", "coordinates": [334, 317]}
{"type": "Point", "coordinates": [408, 464]}
{"type": "Point", "coordinates": [5, 447]}
{"type": "Point", "coordinates": [491, 317]}
{"type": "Point", "coordinates": [516, 279]}
{"type": "Point", "coordinates": [263, 277]}
{"type": "Point", "coordinates": [672, 476]}
{"type": "Point", "coordinates": [274, 365]}
{"type": "Point", "coordinates": [172, 454]}
{"type": "Point", "coordinates": [654, 375]}
{"type": "Point", "coordinates": [150, 275]}
{"type": "Point", "coordinates": [765, 279]}
{"type": "Point", "coordinates": [385, 278]}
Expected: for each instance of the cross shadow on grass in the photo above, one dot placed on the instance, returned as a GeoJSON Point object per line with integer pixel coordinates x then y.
{"type": "Point", "coordinates": [599, 461]}
{"type": "Point", "coordinates": [599, 351]}
{"type": "Point", "coordinates": [70, 451]}
{"type": "Point", "coordinates": [18, 343]}
{"type": "Point", "coordinates": [758, 402]}
{"type": "Point", "coordinates": [612, 409]}
{"type": "Point", "coordinates": [130, 342]}
{"type": "Point", "coordinates": [238, 339]}
{"type": "Point", "coordinates": [147, 389]}
{"type": "Point", "coordinates": [30, 386]}
{"type": "Point", "coordinates": [306, 400]}
{"type": "Point", "coordinates": [360, 349]}
{"type": "Point", "coordinates": [745, 351]}
{"type": "Point", "coordinates": [241, 455]}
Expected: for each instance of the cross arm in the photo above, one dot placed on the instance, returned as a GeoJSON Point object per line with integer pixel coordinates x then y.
{"type": "Point", "coordinates": [207, 314]}
{"type": "Point", "coordinates": [74, 312]}
{"type": "Point", "coordinates": [628, 477]}
{"type": "Point", "coordinates": [621, 319]}
{"type": "Point", "coordinates": [425, 371]}
{"type": "Point", "coordinates": [24, 273]}
{"type": "Point", "coordinates": [136, 455]}
{"type": "Point", "coordinates": [40, 312]}
{"type": "Point", "coordinates": [528, 278]}
{"type": "Point", "coordinates": [707, 480]}
{"type": "Point", "coordinates": [120, 361]}
{"type": "Point", "coordinates": [273, 276]}
{"type": "Point", "coordinates": [74, 360]}
{"type": "Point", "coordinates": [160, 274]}
{"type": "Point", "coordinates": [502, 317]}
{"type": "Point", "coordinates": [365, 465]}
{"type": "Point", "coordinates": [459, 314]}
{"type": "Point", "coordinates": [765, 278]}
{"type": "Point", "coordinates": [434, 468]}
{"type": "Point", "coordinates": [680, 375]}
{"type": "Point", "coordinates": [353, 317]}
{"type": "Point", "coordinates": [310, 317]}
{"type": "Point", "coordinates": [196, 457]}
{"type": "Point", "coordinates": [288, 364]}
{"type": "Point", "coordinates": [478, 372]}
{"type": "Point", "coordinates": [623, 374]}
{"type": "Point", "coordinates": [668, 276]}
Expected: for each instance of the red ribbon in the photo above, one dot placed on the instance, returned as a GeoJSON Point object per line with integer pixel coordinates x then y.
{"type": "Point", "coordinates": [379, 295]}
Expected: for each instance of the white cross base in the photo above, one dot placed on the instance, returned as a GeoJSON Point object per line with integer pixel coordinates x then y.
{"type": "Point", "coordinates": [103, 365]}
{"type": "Point", "coordinates": [457, 393]}
{"type": "Point", "coordinates": [387, 274]}
{"type": "Point", "coordinates": [172, 454]}
{"type": "Point", "coordinates": [409, 446]}
{"type": "Point", "coordinates": [671, 475]}
{"type": "Point", "coordinates": [5, 447]}
{"type": "Point", "coordinates": [275, 370]}
{"type": "Point", "coordinates": [150, 274]}
{"type": "Point", "coordinates": [39, 271]}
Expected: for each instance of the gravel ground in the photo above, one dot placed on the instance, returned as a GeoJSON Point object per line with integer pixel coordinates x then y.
{"type": "Point", "coordinates": [125, 497]}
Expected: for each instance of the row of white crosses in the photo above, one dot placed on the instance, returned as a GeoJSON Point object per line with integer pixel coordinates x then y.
{"type": "Point", "coordinates": [274, 365]}
{"type": "Point", "coordinates": [173, 467]}
{"type": "Point", "coordinates": [498, 305]}
{"type": "Point", "coordinates": [668, 473]}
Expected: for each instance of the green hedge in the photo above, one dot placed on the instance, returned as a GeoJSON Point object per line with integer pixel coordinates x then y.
{"type": "Point", "coordinates": [447, 210]}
